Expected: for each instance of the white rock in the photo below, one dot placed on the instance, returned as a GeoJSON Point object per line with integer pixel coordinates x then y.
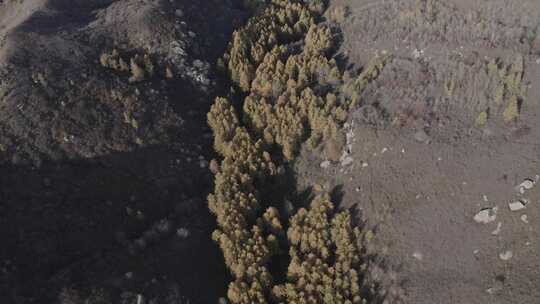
{"type": "Point", "coordinates": [182, 233]}
{"type": "Point", "coordinates": [485, 216]}
{"type": "Point", "coordinates": [485, 198]}
{"type": "Point", "coordinates": [203, 164]}
{"type": "Point", "coordinates": [350, 136]}
{"type": "Point", "coordinates": [364, 165]}
{"type": "Point", "coordinates": [524, 219]}
{"type": "Point", "coordinates": [222, 301]}
{"type": "Point", "coordinates": [498, 229]}
{"type": "Point", "coordinates": [347, 161]}
{"type": "Point", "coordinates": [418, 255]}
{"type": "Point", "coordinates": [525, 185]}
{"type": "Point", "coordinates": [384, 150]}
{"type": "Point", "coordinates": [325, 164]}
{"type": "Point", "coordinates": [507, 255]}
{"type": "Point", "coordinates": [517, 205]}
{"type": "Point", "coordinates": [421, 136]}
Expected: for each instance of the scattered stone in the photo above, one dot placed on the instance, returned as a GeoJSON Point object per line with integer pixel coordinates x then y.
{"type": "Point", "coordinates": [169, 73]}
{"type": "Point", "coordinates": [364, 164]}
{"type": "Point", "coordinates": [384, 150]}
{"type": "Point", "coordinates": [198, 64]}
{"type": "Point", "coordinates": [140, 215]}
{"type": "Point", "coordinates": [129, 275]}
{"type": "Point", "coordinates": [498, 229]}
{"type": "Point", "coordinates": [477, 251]}
{"type": "Point", "coordinates": [222, 301]}
{"type": "Point", "coordinates": [179, 13]}
{"type": "Point", "coordinates": [527, 184]}
{"type": "Point", "coordinates": [417, 53]}
{"type": "Point", "coordinates": [418, 255]}
{"type": "Point", "coordinates": [518, 205]}
{"type": "Point", "coordinates": [524, 219]}
{"type": "Point", "coordinates": [182, 233]}
{"type": "Point", "coordinates": [497, 286]}
{"type": "Point", "coordinates": [325, 164]}
{"type": "Point", "coordinates": [350, 136]}
{"type": "Point", "coordinates": [203, 164]}
{"type": "Point", "coordinates": [485, 198]}
{"type": "Point", "coordinates": [140, 299]}
{"type": "Point", "coordinates": [421, 136]}
{"type": "Point", "coordinates": [163, 226]}
{"type": "Point", "coordinates": [347, 161]}
{"type": "Point", "coordinates": [486, 215]}
{"type": "Point", "coordinates": [507, 255]}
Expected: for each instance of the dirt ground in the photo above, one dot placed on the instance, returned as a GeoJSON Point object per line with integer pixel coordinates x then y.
{"type": "Point", "coordinates": [417, 166]}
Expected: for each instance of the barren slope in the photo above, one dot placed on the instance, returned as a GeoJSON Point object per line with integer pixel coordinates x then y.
{"type": "Point", "coordinates": [431, 145]}
{"type": "Point", "coordinates": [104, 170]}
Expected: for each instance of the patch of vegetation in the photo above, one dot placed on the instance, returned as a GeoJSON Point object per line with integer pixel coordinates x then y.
{"type": "Point", "coordinates": [325, 255]}
{"type": "Point", "coordinates": [481, 120]}
{"type": "Point", "coordinates": [140, 67]}
{"type": "Point", "coordinates": [510, 90]}
{"type": "Point", "coordinates": [295, 92]}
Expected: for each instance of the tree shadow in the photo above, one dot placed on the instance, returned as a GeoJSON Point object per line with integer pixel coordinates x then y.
{"type": "Point", "coordinates": [61, 224]}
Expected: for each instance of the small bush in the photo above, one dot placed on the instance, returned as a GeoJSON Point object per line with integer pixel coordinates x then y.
{"type": "Point", "coordinates": [509, 87]}
{"type": "Point", "coordinates": [140, 67]}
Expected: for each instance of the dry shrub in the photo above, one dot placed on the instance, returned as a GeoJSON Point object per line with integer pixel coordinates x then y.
{"type": "Point", "coordinates": [338, 14]}
{"type": "Point", "coordinates": [140, 67]}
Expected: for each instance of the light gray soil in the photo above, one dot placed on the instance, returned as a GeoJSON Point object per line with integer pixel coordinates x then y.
{"type": "Point", "coordinates": [419, 183]}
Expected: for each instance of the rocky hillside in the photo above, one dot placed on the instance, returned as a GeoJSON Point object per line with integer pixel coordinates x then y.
{"type": "Point", "coordinates": [104, 148]}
